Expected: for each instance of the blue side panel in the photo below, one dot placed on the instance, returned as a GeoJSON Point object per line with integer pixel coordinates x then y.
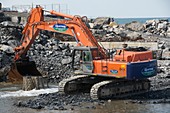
{"type": "Point", "coordinates": [141, 70]}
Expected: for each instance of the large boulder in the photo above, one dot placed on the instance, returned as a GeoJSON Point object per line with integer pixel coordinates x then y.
{"type": "Point", "coordinates": [120, 32]}
{"type": "Point", "coordinates": [162, 25]}
{"type": "Point", "coordinates": [168, 29]}
{"type": "Point", "coordinates": [134, 36]}
{"type": "Point", "coordinates": [66, 60]}
{"type": "Point", "coordinates": [6, 49]}
{"type": "Point", "coordinates": [135, 26]}
{"type": "Point", "coordinates": [100, 21]}
{"type": "Point", "coordinates": [4, 71]}
{"type": "Point", "coordinates": [168, 34]}
{"type": "Point", "coordinates": [3, 17]}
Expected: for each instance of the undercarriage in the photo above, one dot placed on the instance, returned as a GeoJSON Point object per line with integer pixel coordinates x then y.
{"type": "Point", "coordinates": [103, 87]}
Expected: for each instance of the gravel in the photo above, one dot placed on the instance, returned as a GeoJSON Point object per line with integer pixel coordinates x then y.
{"type": "Point", "coordinates": [56, 101]}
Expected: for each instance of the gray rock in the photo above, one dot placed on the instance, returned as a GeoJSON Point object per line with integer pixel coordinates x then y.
{"type": "Point", "coordinates": [14, 19]}
{"type": "Point", "coordinates": [110, 30]}
{"type": "Point", "coordinates": [56, 101]}
{"type": "Point", "coordinates": [9, 24]}
{"type": "Point", "coordinates": [91, 25]}
{"type": "Point", "coordinates": [162, 34]}
{"type": "Point", "coordinates": [134, 36]}
{"type": "Point", "coordinates": [119, 32]}
{"type": "Point", "coordinates": [4, 71]}
{"type": "Point", "coordinates": [162, 25]}
{"type": "Point", "coordinates": [100, 21]}
{"type": "Point", "coordinates": [13, 43]}
{"type": "Point", "coordinates": [105, 26]}
{"type": "Point", "coordinates": [66, 61]}
{"type": "Point", "coordinates": [168, 30]}
{"type": "Point", "coordinates": [150, 22]}
{"type": "Point", "coordinates": [7, 49]}
{"type": "Point", "coordinates": [101, 32]}
{"type": "Point", "coordinates": [148, 33]}
{"type": "Point", "coordinates": [168, 34]}
{"type": "Point", "coordinates": [135, 26]}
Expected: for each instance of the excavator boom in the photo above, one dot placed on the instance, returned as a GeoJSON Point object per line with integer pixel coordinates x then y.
{"type": "Point", "coordinates": [72, 26]}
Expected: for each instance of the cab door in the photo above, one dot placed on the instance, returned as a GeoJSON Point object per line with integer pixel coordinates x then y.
{"type": "Point", "coordinates": [86, 64]}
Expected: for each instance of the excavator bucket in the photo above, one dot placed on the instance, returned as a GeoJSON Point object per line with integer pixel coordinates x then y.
{"type": "Point", "coordinates": [20, 69]}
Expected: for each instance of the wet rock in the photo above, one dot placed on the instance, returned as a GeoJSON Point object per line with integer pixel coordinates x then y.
{"type": "Point", "coordinates": [56, 101]}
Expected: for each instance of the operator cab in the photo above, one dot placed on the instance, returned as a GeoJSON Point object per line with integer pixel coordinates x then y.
{"type": "Point", "coordinates": [83, 58]}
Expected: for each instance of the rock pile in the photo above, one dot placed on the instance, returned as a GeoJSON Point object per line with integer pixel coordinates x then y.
{"type": "Point", "coordinates": [56, 101]}
{"type": "Point", "coordinates": [159, 27]}
{"type": "Point", "coordinates": [110, 31]}
{"type": "Point", "coordinates": [9, 35]}
{"type": "Point", "coordinates": [105, 30]}
{"type": "Point", "coordinates": [50, 55]}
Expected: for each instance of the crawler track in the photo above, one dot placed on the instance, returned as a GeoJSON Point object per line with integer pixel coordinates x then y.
{"type": "Point", "coordinates": [118, 89]}
{"type": "Point", "coordinates": [103, 87]}
{"type": "Point", "coordinates": [79, 83]}
{"type": "Point", "coordinates": [71, 84]}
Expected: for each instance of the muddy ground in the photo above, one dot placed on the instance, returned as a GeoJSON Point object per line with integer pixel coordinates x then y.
{"type": "Point", "coordinates": [116, 106]}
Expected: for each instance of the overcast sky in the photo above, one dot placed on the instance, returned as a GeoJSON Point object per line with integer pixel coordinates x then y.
{"type": "Point", "coordinates": [112, 8]}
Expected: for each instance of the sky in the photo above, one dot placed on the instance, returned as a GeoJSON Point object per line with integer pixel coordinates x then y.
{"type": "Point", "coordinates": [111, 8]}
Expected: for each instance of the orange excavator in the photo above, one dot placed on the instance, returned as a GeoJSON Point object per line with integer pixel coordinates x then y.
{"type": "Point", "coordinates": [103, 74]}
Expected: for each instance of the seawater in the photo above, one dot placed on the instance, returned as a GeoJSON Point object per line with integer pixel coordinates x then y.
{"type": "Point", "coordinates": [142, 20]}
